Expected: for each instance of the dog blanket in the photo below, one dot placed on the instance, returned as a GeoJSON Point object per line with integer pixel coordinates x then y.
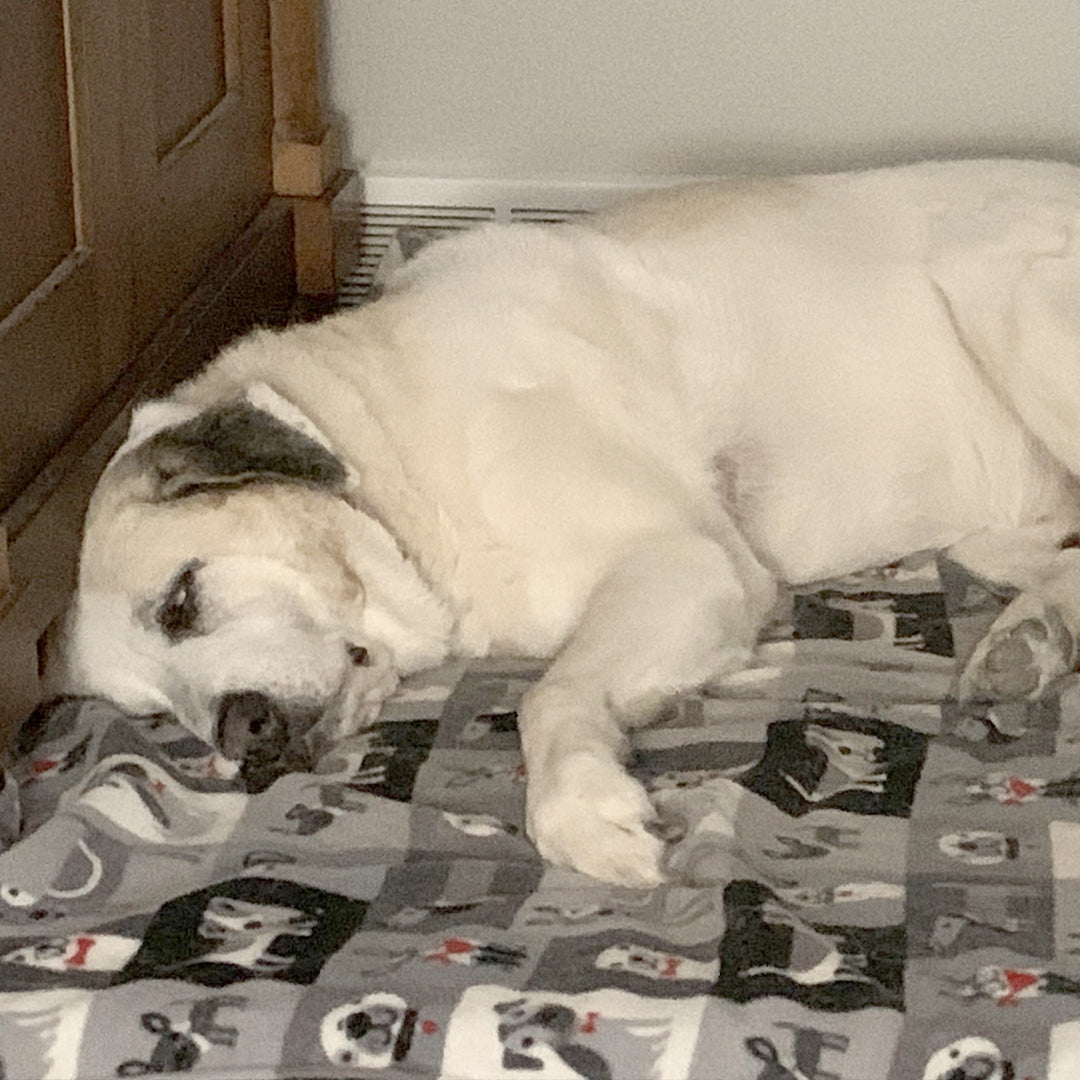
{"type": "Point", "coordinates": [866, 880]}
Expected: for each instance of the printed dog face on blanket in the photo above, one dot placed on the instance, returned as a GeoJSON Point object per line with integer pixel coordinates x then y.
{"type": "Point", "coordinates": [371, 1033]}
{"type": "Point", "coordinates": [606, 442]}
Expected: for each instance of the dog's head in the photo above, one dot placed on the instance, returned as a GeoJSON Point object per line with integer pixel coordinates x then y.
{"type": "Point", "coordinates": [229, 576]}
{"type": "Point", "coordinates": [970, 1058]}
{"type": "Point", "coordinates": [372, 1033]}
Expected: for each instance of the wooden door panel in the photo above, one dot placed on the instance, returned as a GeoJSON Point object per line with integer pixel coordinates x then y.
{"type": "Point", "coordinates": [37, 210]}
{"type": "Point", "coordinates": [216, 174]}
{"type": "Point", "coordinates": [50, 373]}
{"type": "Point", "coordinates": [188, 46]}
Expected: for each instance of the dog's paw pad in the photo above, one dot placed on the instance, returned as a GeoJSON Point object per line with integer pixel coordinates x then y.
{"type": "Point", "coordinates": [1024, 651]}
{"type": "Point", "coordinates": [598, 820]}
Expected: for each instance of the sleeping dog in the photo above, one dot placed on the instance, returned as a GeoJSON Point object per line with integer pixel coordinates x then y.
{"type": "Point", "coordinates": [606, 442]}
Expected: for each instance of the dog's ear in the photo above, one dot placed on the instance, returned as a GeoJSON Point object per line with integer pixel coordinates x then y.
{"type": "Point", "coordinates": [232, 444]}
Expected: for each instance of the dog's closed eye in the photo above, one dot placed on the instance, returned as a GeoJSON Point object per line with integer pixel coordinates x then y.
{"type": "Point", "coordinates": [178, 614]}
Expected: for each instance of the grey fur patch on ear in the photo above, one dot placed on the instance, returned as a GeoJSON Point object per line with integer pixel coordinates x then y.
{"type": "Point", "coordinates": [235, 444]}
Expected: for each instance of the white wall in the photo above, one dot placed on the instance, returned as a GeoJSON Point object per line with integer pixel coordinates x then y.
{"type": "Point", "coordinates": [608, 88]}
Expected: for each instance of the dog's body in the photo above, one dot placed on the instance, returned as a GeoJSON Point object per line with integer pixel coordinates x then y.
{"type": "Point", "coordinates": [606, 442]}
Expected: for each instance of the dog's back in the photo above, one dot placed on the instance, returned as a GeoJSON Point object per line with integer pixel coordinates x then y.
{"type": "Point", "coordinates": [866, 363]}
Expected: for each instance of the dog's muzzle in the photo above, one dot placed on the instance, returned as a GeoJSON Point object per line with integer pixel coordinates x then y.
{"type": "Point", "coordinates": [265, 736]}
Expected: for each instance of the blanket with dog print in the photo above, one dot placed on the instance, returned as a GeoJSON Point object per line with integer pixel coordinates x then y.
{"type": "Point", "coordinates": [866, 879]}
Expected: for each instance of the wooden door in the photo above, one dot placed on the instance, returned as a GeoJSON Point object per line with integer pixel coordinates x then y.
{"type": "Point", "coordinates": [134, 146]}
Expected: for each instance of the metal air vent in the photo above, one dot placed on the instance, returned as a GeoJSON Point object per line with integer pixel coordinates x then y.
{"type": "Point", "coordinates": [392, 233]}
{"type": "Point", "coordinates": [387, 235]}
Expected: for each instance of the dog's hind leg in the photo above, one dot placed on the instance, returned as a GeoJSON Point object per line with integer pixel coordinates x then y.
{"type": "Point", "coordinates": [1012, 294]}
{"type": "Point", "coordinates": [672, 613]}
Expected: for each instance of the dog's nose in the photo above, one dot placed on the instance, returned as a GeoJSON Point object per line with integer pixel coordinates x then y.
{"type": "Point", "coordinates": [244, 720]}
{"type": "Point", "coordinates": [357, 1025]}
{"type": "Point", "coordinates": [264, 735]}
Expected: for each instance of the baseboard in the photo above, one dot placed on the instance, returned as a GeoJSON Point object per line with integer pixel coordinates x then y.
{"type": "Point", "coordinates": [250, 284]}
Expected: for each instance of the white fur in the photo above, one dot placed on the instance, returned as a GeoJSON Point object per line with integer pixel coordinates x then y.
{"type": "Point", "coordinates": [606, 442]}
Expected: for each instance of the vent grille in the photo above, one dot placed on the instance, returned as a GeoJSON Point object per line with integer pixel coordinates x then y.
{"type": "Point", "coordinates": [376, 230]}
{"type": "Point", "coordinates": [385, 235]}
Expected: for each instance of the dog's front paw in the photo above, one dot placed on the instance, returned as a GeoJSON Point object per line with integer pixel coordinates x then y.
{"type": "Point", "coordinates": [590, 815]}
{"type": "Point", "coordinates": [1028, 647]}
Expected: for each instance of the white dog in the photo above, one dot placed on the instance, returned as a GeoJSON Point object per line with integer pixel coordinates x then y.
{"type": "Point", "coordinates": [606, 442]}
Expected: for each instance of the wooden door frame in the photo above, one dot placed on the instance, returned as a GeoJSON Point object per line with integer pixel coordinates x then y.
{"type": "Point", "coordinates": [306, 147]}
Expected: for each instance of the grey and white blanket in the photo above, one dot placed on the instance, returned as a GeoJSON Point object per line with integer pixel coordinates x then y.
{"type": "Point", "coordinates": [867, 880]}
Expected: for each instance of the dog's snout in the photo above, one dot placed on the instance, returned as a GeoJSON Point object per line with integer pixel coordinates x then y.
{"type": "Point", "coordinates": [266, 736]}
{"type": "Point", "coordinates": [246, 718]}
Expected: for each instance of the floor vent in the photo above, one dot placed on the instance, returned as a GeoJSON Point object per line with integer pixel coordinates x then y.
{"type": "Point", "coordinates": [378, 231]}
{"type": "Point", "coordinates": [385, 235]}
